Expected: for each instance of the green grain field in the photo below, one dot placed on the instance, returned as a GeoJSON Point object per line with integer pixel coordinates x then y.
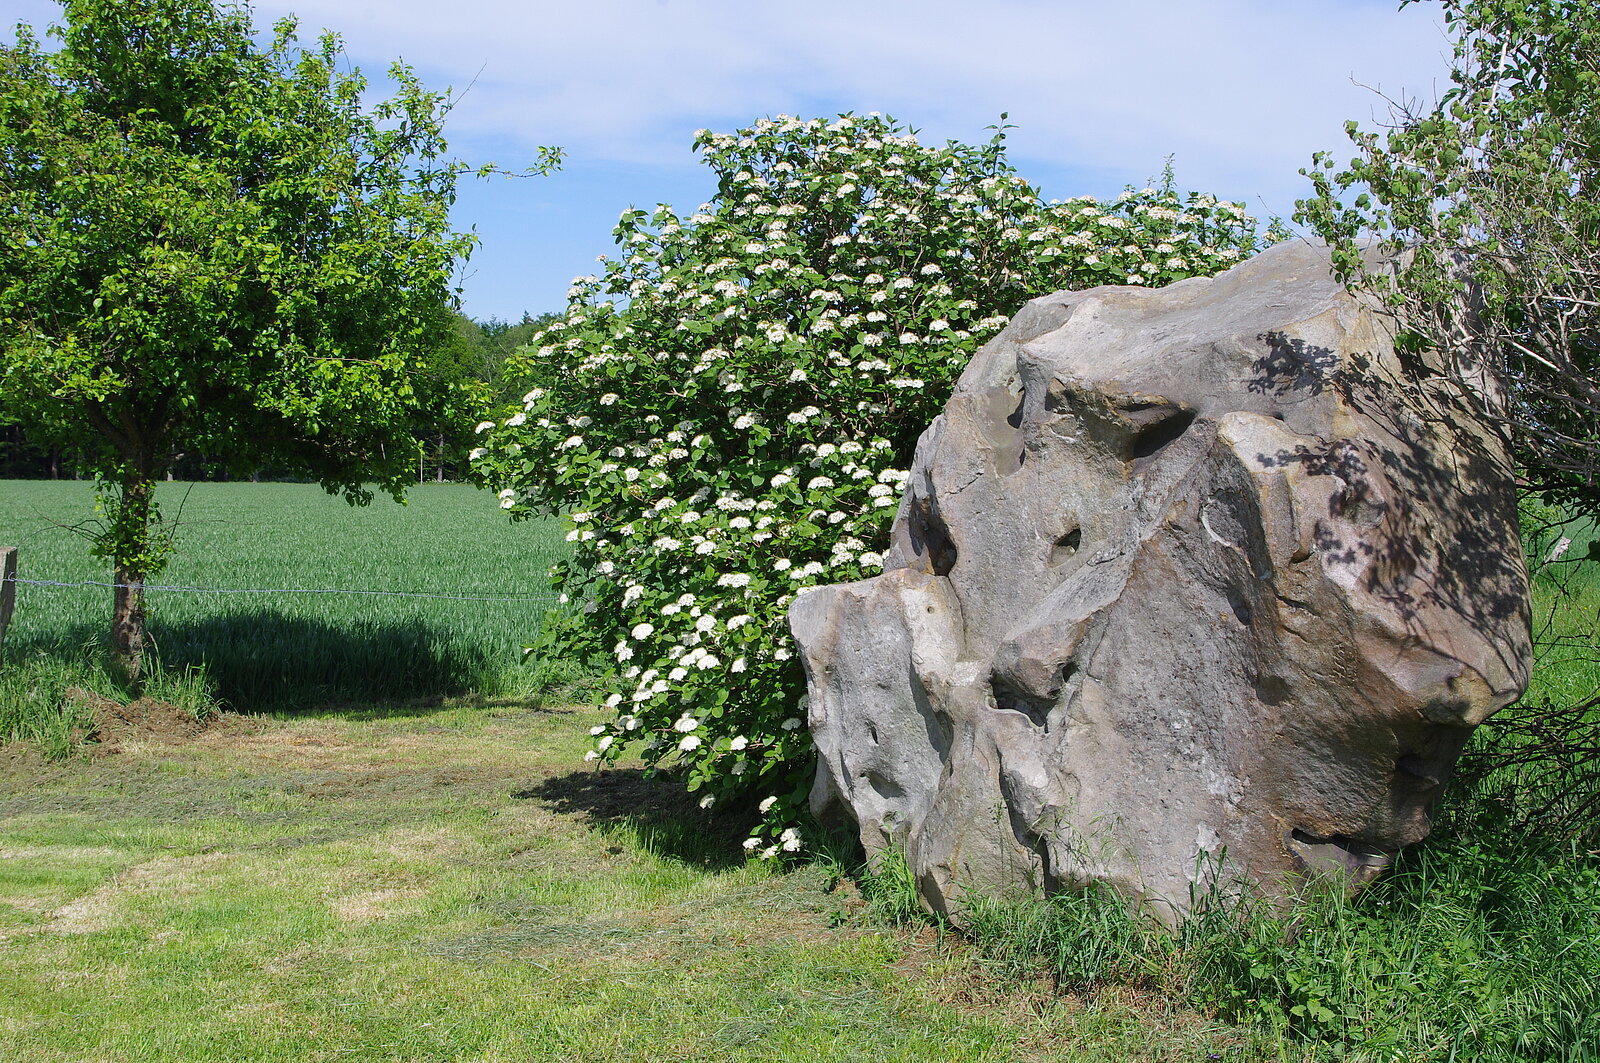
{"type": "Point", "coordinates": [269, 649]}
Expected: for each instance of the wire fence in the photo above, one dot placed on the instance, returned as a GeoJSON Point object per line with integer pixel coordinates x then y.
{"type": "Point", "coordinates": [148, 587]}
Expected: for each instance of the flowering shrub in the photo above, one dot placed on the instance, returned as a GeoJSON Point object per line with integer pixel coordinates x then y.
{"type": "Point", "coordinates": [727, 412]}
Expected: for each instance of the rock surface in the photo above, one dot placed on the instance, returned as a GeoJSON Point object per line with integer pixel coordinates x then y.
{"type": "Point", "coordinates": [1186, 590]}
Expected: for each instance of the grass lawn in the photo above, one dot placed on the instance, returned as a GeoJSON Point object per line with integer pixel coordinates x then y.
{"type": "Point", "coordinates": [451, 884]}
{"type": "Point", "coordinates": [409, 860]}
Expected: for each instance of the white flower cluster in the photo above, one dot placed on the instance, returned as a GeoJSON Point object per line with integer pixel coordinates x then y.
{"type": "Point", "coordinates": [727, 410]}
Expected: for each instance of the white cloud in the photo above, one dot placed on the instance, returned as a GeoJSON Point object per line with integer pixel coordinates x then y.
{"type": "Point", "coordinates": [1237, 86]}
{"type": "Point", "coordinates": [1240, 91]}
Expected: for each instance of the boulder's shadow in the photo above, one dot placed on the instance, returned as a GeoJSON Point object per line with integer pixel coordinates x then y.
{"type": "Point", "coordinates": [667, 819]}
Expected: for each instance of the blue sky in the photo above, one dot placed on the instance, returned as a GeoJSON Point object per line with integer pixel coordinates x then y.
{"type": "Point", "coordinates": [1241, 92]}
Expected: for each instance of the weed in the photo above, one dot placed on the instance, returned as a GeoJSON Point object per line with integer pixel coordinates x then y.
{"type": "Point", "coordinates": [188, 689]}
{"type": "Point", "coordinates": [890, 889]}
{"type": "Point", "coordinates": [36, 706]}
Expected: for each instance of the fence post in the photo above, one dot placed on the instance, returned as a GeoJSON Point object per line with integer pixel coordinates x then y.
{"type": "Point", "coordinates": [8, 586]}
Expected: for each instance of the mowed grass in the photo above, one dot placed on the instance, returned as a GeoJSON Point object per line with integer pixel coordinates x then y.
{"type": "Point", "coordinates": [282, 650]}
{"type": "Point", "coordinates": [449, 884]}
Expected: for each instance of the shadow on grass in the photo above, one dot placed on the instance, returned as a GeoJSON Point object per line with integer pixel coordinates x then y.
{"type": "Point", "coordinates": [666, 817]}
{"type": "Point", "coordinates": [259, 660]}
{"type": "Point", "coordinates": [417, 708]}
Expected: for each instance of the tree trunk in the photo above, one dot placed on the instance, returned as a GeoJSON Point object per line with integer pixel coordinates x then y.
{"type": "Point", "coordinates": [127, 625]}
{"type": "Point", "coordinates": [131, 529]}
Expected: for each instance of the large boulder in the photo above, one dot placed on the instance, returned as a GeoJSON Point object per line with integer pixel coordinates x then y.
{"type": "Point", "coordinates": [1189, 587]}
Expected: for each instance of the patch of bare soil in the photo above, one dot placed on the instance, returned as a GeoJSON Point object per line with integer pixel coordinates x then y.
{"type": "Point", "coordinates": [141, 722]}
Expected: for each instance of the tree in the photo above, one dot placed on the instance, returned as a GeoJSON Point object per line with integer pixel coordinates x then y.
{"type": "Point", "coordinates": [1493, 196]}
{"type": "Point", "coordinates": [452, 372]}
{"type": "Point", "coordinates": [1493, 193]}
{"type": "Point", "coordinates": [215, 247]}
{"type": "Point", "coordinates": [468, 365]}
{"type": "Point", "coordinates": [727, 414]}
{"type": "Point", "coordinates": [498, 341]}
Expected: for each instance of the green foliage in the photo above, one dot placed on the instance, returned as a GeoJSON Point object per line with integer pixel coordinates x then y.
{"type": "Point", "coordinates": [728, 412]}
{"type": "Point", "coordinates": [216, 247]}
{"type": "Point", "coordinates": [497, 341]}
{"type": "Point", "coordinates": [1478, 948]}
{"type": "Point", "coordinates": [1541, 525]}
{"type": "Point", "coordinates": [467, 373]}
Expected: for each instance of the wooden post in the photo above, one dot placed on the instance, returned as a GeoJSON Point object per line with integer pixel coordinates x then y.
{"type": "Point", "coordinates": [8, 586]}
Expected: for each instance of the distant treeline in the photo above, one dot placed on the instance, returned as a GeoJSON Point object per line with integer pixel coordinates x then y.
{"type": "Point", "coordinates": [476, 351]}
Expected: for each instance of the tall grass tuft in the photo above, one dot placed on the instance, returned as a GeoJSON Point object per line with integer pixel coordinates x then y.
{"type": "Point", "coordinates": [36, 707]}
{"type": "Point", "coordinates": [47, 699]}
{"type": "Point", "coordinates": [890, 889]}
{"type": "Point", "coordinates": [1476, 946]}
{"type": "Point", "coordinates": [1084, 940]}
